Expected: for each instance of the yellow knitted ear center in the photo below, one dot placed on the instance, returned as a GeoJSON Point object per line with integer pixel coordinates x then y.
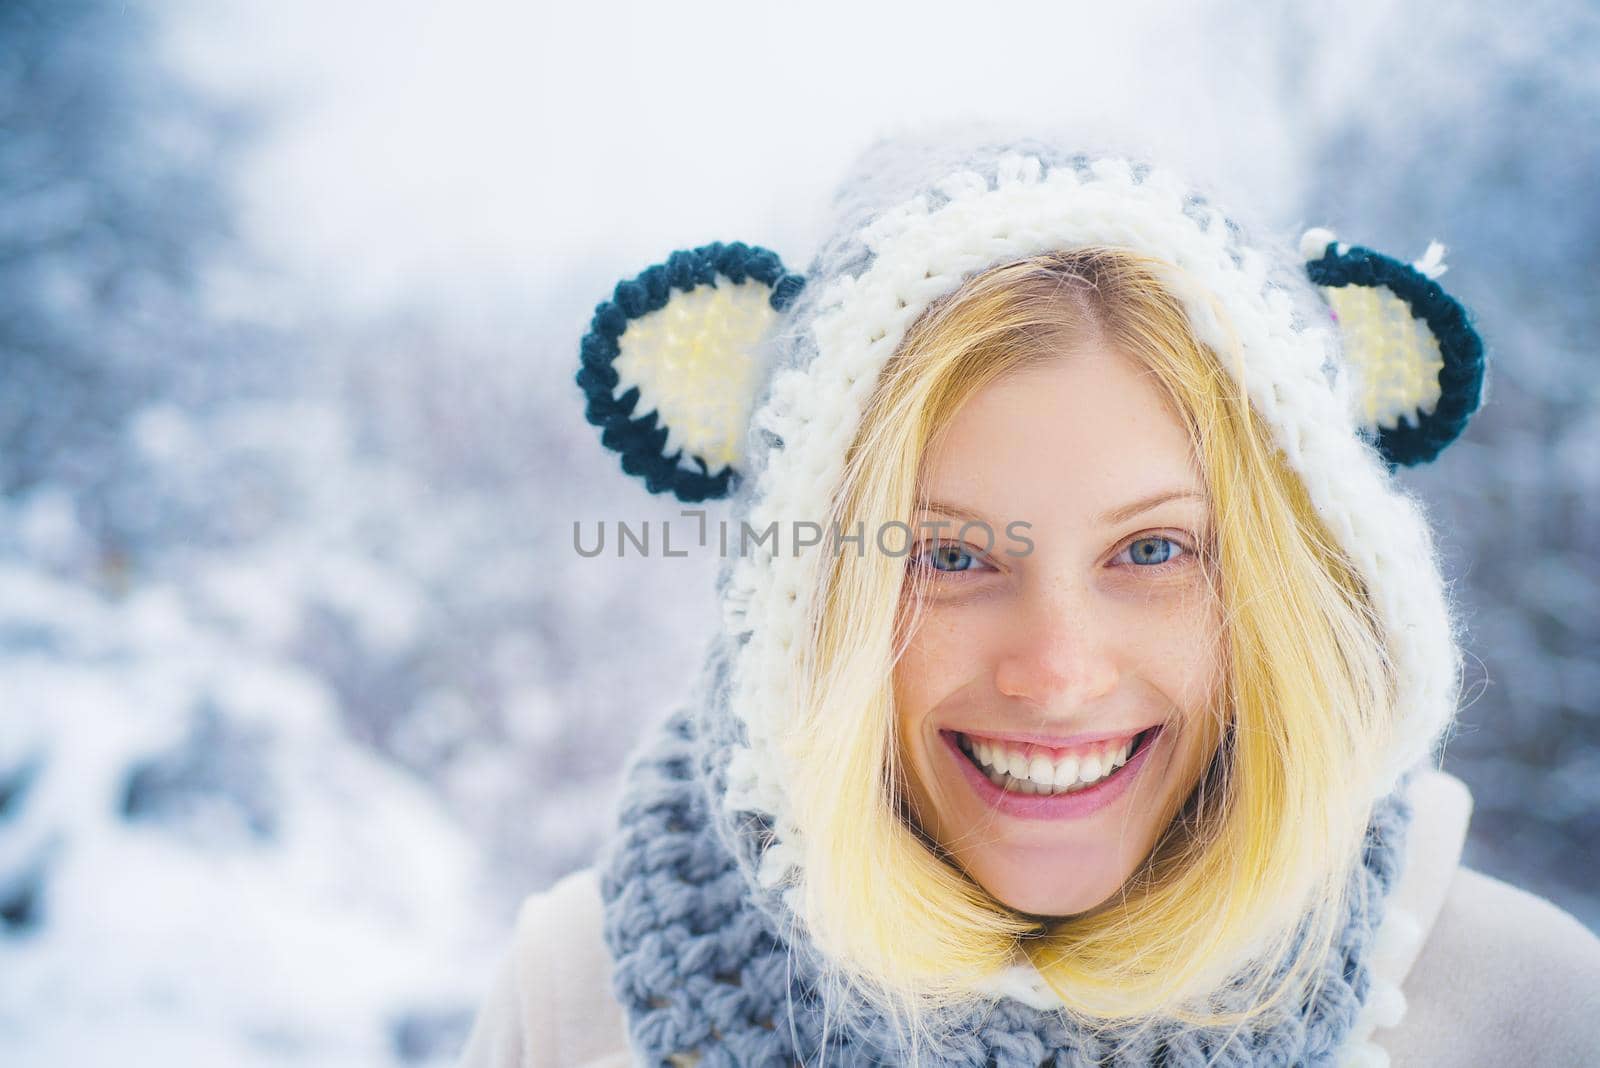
{"type": "Point", "coordinates": [1396, 356]}
{"type": "Point", "coordinates": [696, 364]}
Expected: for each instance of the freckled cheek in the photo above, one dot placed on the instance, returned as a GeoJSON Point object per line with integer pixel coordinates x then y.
{"type": "Point", "coordinates": [914, 700]}
{"type": "Point", "coordinates": [1175, 644]}
{"type": "Point", "coordinates": [1193, 680]}
{"type": "Point", "coordinates": [938, 662]}
{"type": "Point", "coordinates": [1208, 645]}
{"type": "Point", "coordinates": [938, 653]}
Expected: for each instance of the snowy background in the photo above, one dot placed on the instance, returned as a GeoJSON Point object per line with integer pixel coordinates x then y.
{"type": "Point", "coordinates": [302, 687]}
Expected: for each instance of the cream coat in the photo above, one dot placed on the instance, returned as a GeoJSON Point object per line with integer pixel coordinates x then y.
{"type": "Point", "coordinates": [1490, 975]}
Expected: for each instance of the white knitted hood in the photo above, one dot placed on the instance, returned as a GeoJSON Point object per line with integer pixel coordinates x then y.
{"type": "Point", "coordinates": [721, 373]}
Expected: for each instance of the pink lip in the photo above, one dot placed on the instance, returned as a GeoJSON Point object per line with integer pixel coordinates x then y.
{"type": "Point", "coordinates": [1048, 741]}
{"type": "Point", "coordinates": [1045, 807]}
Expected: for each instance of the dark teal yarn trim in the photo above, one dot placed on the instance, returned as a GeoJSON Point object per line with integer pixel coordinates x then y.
{"type": "Point", "coordinates": [642, 440]}
{"type": "Point", "coordinates": [1461, 378]}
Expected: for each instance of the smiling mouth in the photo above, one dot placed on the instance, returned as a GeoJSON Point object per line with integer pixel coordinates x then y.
{"type": "Point", "coordinates": [1004, 769]}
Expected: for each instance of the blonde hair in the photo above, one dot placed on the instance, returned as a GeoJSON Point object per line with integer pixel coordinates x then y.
{"type": "Point", "coordinates": [1265, 839]}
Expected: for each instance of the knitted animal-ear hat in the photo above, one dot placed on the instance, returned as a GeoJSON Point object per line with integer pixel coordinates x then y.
{"type": "Point", "coordinates": [721, 373]}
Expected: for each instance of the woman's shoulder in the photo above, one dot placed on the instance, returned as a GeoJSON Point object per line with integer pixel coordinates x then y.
{"type": "Point", "coordinates": [552, 1003]}
{"type": "Point", "coordinates": [1504, 977]}
{"type": "Point", "coordinates": [570, 906]}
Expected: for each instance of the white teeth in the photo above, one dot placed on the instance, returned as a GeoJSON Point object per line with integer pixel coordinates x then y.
{"type": "Point", "coordinates": [1066, 772]}
{"type": "Point", "coordinates": [1013, 770]}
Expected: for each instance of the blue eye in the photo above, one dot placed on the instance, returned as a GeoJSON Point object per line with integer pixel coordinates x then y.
{"type": "Point", "coordinates": [947, 557]}
{"type": "Point", "coordinates": [1153, 550]}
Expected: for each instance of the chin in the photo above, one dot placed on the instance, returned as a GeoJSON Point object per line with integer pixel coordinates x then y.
{"type": "Point", "coordinates": [1027, 892]}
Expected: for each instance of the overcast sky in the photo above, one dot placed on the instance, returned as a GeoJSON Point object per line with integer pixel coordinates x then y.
{"type": "Point", "coordinates": [476, 152]}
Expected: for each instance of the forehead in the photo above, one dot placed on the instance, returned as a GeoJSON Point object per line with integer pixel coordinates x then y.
{"type": "Point", "coordinates": [1091, 424]}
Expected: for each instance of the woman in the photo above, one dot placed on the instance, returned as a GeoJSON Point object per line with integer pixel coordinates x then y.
{"type": "Point", "coordinates": [1085, 670]}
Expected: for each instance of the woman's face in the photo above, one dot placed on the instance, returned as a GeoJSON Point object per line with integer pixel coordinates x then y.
{"type": "Point", "coordinates": [1053, 705]}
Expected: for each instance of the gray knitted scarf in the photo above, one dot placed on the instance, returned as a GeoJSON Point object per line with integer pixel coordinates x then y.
{"type": "Point", "coordinates": [706, 962]}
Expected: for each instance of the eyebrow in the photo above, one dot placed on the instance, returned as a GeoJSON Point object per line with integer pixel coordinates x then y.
{"type": "Point", "coordinates": [1115, 515]}
{"type": "Point", "coordinates": [958, 513]}
{"type": "Point", "coordinates": [1144, 504]}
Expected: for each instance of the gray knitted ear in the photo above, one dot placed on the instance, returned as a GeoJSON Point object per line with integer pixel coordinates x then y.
{"type": "Point", "coordinates": [679, 343]}
{"type": "Point", "coordinates": [1418, 362]}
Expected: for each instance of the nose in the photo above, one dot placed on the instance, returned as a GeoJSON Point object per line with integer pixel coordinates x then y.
{"type": "Point", "coordinates": [1057, 659]}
